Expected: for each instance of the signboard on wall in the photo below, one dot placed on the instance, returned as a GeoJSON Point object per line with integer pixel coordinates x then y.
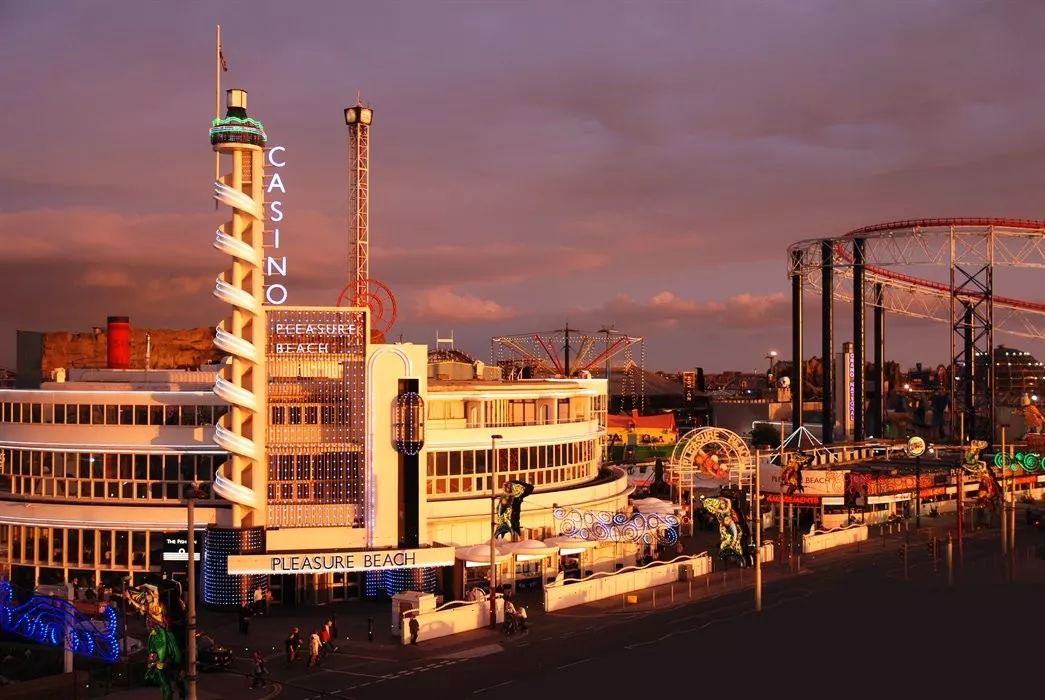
{"type": "Point", "coordinates": [815, 482]}
{"type": "Point", "coordinates": [347, 561]}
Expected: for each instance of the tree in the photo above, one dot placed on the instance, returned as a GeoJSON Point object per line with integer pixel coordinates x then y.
{"type": "Point", "coordinates": [763, 434]}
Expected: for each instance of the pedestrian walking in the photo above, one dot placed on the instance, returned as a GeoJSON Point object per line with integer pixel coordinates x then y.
{"type": "Point", "coordinates": [260, 671]}
{"type": "Point", "coordinates": [520, 615]}
{"type": "Point", "coordinates": [244, 619]}
{"type": "Point", "coordinates": [292, 645]}
{"type": "Point", "coordinates": [509, 616]}
{"type": "Point", "coordinates": [259, 601]}
{"type": "Point", "coordinates": [415, 628]}
{"type": "Point", "coordinates": [333, 626]}
{"type": "Point", "coordinates": [314, 645]}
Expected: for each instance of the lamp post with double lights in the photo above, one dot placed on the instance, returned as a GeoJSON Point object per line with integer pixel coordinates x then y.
{"type": "Point", "coordinates": [493, 528]}
{"type": "Point", "coordinates": [191, 494]}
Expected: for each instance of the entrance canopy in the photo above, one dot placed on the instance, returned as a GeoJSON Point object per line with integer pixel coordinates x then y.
{"type": "Point", "coordinates": [531, 549]}
{"type": "Point", "coordinates": [479, 555]}
{"type": "Point", "coordinates": [570, 545]}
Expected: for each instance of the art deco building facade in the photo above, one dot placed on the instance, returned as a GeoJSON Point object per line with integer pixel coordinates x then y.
{"type": "Point", "coordinates": [95, 468]}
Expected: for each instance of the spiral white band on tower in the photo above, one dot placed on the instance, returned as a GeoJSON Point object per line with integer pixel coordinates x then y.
{"type": "Point", "coordinates": [245, 303]}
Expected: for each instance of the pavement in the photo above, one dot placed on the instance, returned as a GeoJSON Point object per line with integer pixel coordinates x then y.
{"type": "Point", "coordinates": [362, 663]}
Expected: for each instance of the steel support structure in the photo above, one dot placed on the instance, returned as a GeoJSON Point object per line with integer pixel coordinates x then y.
{"type": "Point", "coordinates": [359, 208]}
{"type": "Point", "coordinates": [878, 403]}
{"type": "Point", "coordinates": [858, 337]}
{"type": "Point", "coordinates": [972, 336]}
{"type": "Point", "coordinates": [827, 339]}
{"type": "Point", "coordinates": [797, 333]}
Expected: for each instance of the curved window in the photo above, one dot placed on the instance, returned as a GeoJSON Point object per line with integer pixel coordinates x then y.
{"type": "Point", "coordinates": [456, 473]}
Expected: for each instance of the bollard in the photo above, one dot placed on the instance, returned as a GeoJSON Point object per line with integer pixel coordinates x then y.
{"type": "Point", "coordinates": [691, 587]}
{"type": "Point", "coordinates": [950, 562]}
{"type": "Point", "coordinates": [799, 569]}
{"type": "Point", "coordinates": [654, 597]}
{"type": "Point", "coordinates": [673, 593]}
{"type": "Point", "coordinates": [904, 561]}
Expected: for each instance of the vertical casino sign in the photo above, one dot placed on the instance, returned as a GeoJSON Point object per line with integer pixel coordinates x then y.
{"type": "Point", "coordinates": [275, 261]}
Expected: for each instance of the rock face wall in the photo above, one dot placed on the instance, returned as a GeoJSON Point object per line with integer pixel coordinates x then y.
{"type": "Point", "coordinates": [170, 349]}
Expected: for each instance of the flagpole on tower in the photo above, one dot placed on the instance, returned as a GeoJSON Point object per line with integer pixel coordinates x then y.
{"type": "Point", "coordinates": [217, 100]}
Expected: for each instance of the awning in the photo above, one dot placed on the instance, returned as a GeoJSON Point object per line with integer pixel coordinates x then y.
{"type": "Point", "coordinates": [527, 550]}
{"type": "Point", "coordinates": [570, 545]}
{"type": "Point", "coordinates": [651, 506]}
{"type": "Point", "coordinates": [479, 555]}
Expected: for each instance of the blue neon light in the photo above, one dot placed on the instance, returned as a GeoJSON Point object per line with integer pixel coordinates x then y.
{"type": "Point", "coordinates": [56, 622]}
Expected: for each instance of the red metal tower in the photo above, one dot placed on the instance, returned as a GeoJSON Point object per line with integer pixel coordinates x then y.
{"type": "Point", "coordinates": [359, 117]}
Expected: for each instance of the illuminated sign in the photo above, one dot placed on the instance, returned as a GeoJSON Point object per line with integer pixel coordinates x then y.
{"type": "Point", "coordinates": [275, 264]}
{"type": "Point", "coordinates": [176, 548]}
{"type": "Point", "coordinates": [326, 562]}
{"type": "Point", "coordinates": [312, 337]}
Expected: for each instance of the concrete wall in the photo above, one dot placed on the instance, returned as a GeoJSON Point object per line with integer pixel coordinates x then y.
{"type": "Point", "coordinates": [452, 618]}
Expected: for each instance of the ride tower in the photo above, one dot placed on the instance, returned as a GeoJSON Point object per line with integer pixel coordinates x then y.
{"type": "Point", "coordinates": [358, 118]}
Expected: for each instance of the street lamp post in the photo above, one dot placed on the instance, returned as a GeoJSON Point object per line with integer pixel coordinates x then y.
{"type": "Point", "coordinates": [771, 356]}
{"type": "Point", "coordinates": [758, 534]}
{"type": "Point", "coordinates": [493, 528]}
{"type": "Point", "coordinates": [191, 494]}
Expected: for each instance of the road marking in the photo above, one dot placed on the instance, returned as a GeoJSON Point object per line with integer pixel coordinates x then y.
{"type": "Point", "coordinates": [475, 652]}
{"type": "Point", "coordinates": [575, 663]}
{"type": "Point", "coordinates": [353, 673]}
{"type": "Point", "coordinates": [491, 687]}
{"type": "Point", "coordinates": [636, 645]}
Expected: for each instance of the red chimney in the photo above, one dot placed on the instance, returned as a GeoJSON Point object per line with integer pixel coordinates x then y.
{"type": "Point", "coordinates": [119, 337]}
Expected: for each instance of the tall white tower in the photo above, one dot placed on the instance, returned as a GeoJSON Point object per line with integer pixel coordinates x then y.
{"type": "Point", "coordinates": [242, 334]}
{"type": "Point", "coordinates": [359, 117]}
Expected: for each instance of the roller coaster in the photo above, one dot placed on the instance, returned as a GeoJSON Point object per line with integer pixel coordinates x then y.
{"type": "Point", "coordinates": [860, 267]}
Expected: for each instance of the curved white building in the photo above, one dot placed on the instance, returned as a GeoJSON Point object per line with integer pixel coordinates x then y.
{"type": "Point", "coordinates": [95, 467]}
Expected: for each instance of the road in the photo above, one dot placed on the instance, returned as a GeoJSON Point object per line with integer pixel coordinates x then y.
{"type": "Point", "coordinates": [848, 619]}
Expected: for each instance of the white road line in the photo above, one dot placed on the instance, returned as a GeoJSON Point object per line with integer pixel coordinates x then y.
{"type": "Point", "coordinates": [353, 673]}
{"type": "Point", "coordinates": [491, 687]}
{"type": "Point", "coordinates": [575, 663]}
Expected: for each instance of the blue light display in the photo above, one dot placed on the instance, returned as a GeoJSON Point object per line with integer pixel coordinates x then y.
{"type": "Point", "coordinates": [56, 622]}
{"type": "Point", "coordinates": [393, 581]}
{"type": "Point", "coordinates": [220, 588]}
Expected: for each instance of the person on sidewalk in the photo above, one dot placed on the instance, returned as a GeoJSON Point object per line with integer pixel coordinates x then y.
{"type": "Point", "coordinates": [314, 645]}
{"type": "Point", "coordinates": [333, 626]}
{"type": "Point", "coordinates": [415, 628]}
{"type": "Point", "coordinates": [244, 619]}
{"type": "Point", "coordinates": [521, 618]}
{"type": "Point", "coordinates": [259, 671]}
{"type": "Point", "coordinates": [292, 644]}
{"type": "Point", "coordinates": [259, 601]}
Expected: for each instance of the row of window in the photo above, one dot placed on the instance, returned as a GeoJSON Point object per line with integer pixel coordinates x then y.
{"type": "Point", "coordinates": [99, 414]}
{"type": "Point", "coordinates": [461, 472]}
{"type": "Point", "coordinates": [88, 548]}
{"type": "Point", "coordinates": [552, 477]}
{"type": "Point", "coordinates": [105, 476]}
{"type": "Point", "coordinates": [464, 462]}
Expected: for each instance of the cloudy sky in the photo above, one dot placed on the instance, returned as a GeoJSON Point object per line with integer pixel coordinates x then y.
{"type": "Point", "coordinates": [637, 164]}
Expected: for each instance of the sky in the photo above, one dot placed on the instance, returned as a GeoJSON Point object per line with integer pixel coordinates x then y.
{"type": "Point", "coordinates": [638, 165]}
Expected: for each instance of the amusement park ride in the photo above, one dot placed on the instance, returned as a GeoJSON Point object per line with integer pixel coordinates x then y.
{"type": "Point", "coordinates": [860, 267]}
{"type": "Point", "coordinates": [362, 291]}
{"type": "Point", "coordinates": [583, 354]}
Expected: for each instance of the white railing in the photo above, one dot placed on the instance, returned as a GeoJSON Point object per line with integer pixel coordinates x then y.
{"type": "Point", "coordinates": [826, 539]}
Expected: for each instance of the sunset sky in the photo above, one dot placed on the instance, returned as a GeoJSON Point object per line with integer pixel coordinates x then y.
{"type": "Point", "coordinates": [533, 163]}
